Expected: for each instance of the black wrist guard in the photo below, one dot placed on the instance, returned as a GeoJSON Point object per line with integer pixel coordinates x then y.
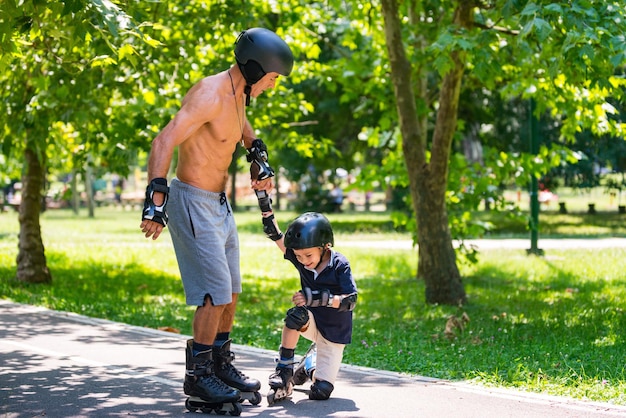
{"type": "Point", "coordinates": [269, 227]}
{"type": "Point", "coordinates": [315, 298]}
{"type": "Point", "coordinates": [265, 203]}
{"type": "Point", "coordinates": [257, 156]}
{"type": "Point", "coordinates": [152, 212]}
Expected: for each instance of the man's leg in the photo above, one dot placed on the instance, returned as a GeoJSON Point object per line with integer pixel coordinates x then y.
{"type": "Point", "coordinates": [209, 320]}
{"type": "Point", "coordinates": [223, 356]}
{"type": "Point", "coordinates": [228, 315]}
{"type": "Point", "coordinates": [201, 379]}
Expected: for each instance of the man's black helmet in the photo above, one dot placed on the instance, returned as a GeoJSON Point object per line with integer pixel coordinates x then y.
{"type": "Point", "coordinates": [309, 230]}
{"type": "Point", "coordinates": [259, 51]}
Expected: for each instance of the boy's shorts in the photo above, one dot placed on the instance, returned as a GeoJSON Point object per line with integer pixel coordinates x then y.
{"type": "Point", "coordinates": [205, 239]}
{"type": "Point", "coordinates": [329, 354]}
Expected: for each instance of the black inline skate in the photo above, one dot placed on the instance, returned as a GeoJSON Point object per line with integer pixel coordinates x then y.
{"type": "Point", "coordinates": [224, 369]}
{"type": "Point", "coordinates": [206, 391]}
{"type": "Point", "coordinates": [281, 383]}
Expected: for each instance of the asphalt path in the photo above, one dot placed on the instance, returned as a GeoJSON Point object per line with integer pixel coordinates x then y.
{"type": "Point", "coordinates": [59, 364]}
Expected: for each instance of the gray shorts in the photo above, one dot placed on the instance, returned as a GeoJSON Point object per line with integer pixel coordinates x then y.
{"type": "Point", "coordinates": [205, 239]}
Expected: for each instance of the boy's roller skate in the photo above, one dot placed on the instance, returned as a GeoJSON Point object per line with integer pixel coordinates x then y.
{"type": "Point", "coordinates": [281, 383]}
{"type": "Point", "coordinates": [224, 369]}
{"type": "Point", "coordinates": [305, 368]}
{"type": "Point", "coordinates": [206, 391]}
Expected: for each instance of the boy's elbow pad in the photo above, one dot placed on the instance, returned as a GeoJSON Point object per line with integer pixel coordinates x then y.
{"type": "Point", "coordinates": [348, 303]}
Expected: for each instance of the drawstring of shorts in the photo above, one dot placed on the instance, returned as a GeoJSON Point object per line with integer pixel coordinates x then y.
{"type": "Point", "coordinates": [224, 201]}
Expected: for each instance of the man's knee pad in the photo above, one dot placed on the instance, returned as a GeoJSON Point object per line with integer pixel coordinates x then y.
{"type": "Point", "coordinates": [321, 390]}
{"type": "Point", "coordinates": [297, 318]}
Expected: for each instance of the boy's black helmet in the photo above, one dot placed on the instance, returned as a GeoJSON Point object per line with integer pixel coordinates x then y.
{"type": "Point", "coordinates": [259, 51]}
{"type": "Point", "coordinates": [309, 230]}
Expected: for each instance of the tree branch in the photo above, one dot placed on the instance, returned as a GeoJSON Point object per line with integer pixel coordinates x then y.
{"type": "Point", "coordinates": [500, 29]}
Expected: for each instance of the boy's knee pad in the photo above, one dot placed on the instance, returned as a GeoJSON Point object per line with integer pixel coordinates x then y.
{"type": "Point", "coordinates": [321, 390]}
{"type": "Point", "coordinates": [297, 318]}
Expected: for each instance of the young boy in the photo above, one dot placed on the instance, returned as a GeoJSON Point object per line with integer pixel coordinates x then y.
{"type": "Point", "coordinates": [323, 307]}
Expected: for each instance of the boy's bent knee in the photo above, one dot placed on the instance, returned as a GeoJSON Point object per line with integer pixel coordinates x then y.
{"type": "Point", "coordinates": [297, 318]}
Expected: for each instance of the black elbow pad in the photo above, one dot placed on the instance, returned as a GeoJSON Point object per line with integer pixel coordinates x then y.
{"type": "Point", "coordinates": [348, 303]}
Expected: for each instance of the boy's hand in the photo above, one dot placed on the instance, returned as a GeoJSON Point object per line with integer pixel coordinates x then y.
{"type": "Point", "coordinates": [298, 299]}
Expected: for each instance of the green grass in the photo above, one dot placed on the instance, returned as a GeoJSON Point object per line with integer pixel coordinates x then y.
{"type": "Point", "coordinates": [552, 324]}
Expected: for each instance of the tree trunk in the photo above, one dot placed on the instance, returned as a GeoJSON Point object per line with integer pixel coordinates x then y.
{"type": "Point", "coordinates": [89, 192]}
{"type": "Point", "coordinates": [31, 257]}
{"type": "Point", "coordinates": [75, 197]}
{"type": "Point", "coordinates": [428, 180]}
{"type": "Point", "coordinates": [436, 255]}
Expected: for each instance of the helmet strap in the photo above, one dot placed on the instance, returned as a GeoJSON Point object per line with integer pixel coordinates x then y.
{"type": "Point", "coordinates": [324, 249]}
{"type": "Point", "coordinates": [247, 91]}
{"type": "Point", "coordinates": [252, 73]}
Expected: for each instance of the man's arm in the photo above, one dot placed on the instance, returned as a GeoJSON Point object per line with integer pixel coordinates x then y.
{"type": "Point", "coordinates": [248, 141]}
{"type": "Point", "coordinates": [187, 120]}
{"type": "Point", "coordinates": [247, 135]}
{"type": "Point", "coordinates": [197, 109]}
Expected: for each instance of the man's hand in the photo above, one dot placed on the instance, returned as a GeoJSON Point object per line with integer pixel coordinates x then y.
{"type": "Point", "coordinates": [266, 184]}
{"type": "Point", "coordinates": [151, 229]}
{"type": "Point", "coordinates": [260, 171]}
{"type": "Point", "coordinates": [154, 215]}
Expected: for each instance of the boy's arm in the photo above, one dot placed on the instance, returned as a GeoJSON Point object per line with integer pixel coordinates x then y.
{"type": "Point", "coordinates": [271, 228]}
{"type": "Point", "coordinates": [324, 298]}
{"type": "Point", "coordinates": [344, 302]}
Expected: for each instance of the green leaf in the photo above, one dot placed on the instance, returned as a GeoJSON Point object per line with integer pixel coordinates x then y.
{"type": "Point", "coordinates": [542, 28]}
{"type": "Point", "coordinates": [72, 6]}
{"type": "Point", "coordinates": [102, 61]}
{"type": "Point", "coordinates": [554, 7]}
{"type": "Point", "coordinates": [125, 51]}
{"type": "Point", "coordinates": [587, 51]}
{"type": "Point", "coordinates": [618, 59]}
{"type": "Point", "coordinates": [530, 9]}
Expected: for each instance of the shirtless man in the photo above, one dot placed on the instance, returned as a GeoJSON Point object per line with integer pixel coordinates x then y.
{"type": "Point", "coordinates": [206, 130]}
